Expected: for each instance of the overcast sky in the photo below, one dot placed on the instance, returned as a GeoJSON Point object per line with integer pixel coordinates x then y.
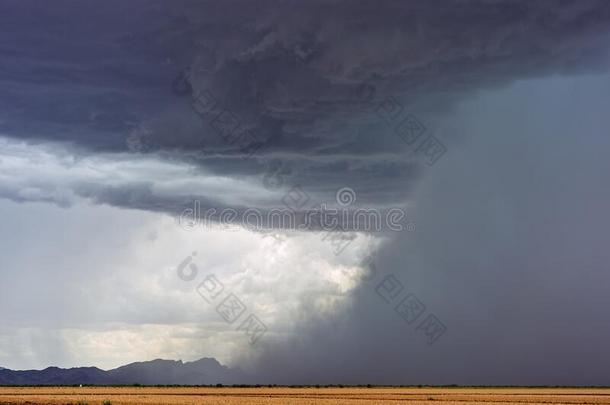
{"type": "Point", "coordinates": [107, 136]}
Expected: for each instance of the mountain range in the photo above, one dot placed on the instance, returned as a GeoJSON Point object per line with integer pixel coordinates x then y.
{"type": "Point", "coordinates": [205, 371]}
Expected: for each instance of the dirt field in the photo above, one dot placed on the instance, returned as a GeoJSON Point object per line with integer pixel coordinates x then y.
{"type": "Point", "coordinates": [355, 396]}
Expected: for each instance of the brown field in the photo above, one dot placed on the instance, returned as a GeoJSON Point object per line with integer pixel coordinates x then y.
{"type": "Point", "coordinates": [281, 395]}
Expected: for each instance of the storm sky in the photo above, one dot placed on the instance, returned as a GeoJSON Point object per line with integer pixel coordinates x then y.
{"type": "Point", "coordinates": [117, 118]}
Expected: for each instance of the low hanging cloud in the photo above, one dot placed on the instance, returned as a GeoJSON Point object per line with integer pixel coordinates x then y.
{"type": "Point", "coordinates": [508, 255]}
{"type": "Point", "coordinates": [310, 82]}
{"type": "Point", "coordinates": [155, 105]}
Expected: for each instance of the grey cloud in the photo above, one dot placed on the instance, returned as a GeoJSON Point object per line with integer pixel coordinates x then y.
{"type": "Point", "coordinates": [511, 224]}
{"type": "Point", "coordinates": [94, 75]}
{"type": "Point", "coordinates": [509, 254]}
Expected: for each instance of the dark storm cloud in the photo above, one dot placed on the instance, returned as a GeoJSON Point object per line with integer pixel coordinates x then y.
{"type": "Point", "coordinates": [509, 254]}
{"type": "Point", "coordinates": [99, 76]}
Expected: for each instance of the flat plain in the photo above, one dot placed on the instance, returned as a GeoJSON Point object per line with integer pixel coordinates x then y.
{"type": "Point", "coordinates": [284, 395]}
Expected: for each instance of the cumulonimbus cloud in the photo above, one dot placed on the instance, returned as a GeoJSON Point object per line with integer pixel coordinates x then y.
{"type": "Point", "coordinates": [305, 78]}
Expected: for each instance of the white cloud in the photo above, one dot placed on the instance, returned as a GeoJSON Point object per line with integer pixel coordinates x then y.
{"type": "Point", "coordinates": [99, 285]}
{"type": "Point", "coordinates": [54, 173]}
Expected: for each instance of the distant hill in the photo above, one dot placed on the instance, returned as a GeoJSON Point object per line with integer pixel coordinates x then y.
{"type": "Point", "coordinates": [156, 372]}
